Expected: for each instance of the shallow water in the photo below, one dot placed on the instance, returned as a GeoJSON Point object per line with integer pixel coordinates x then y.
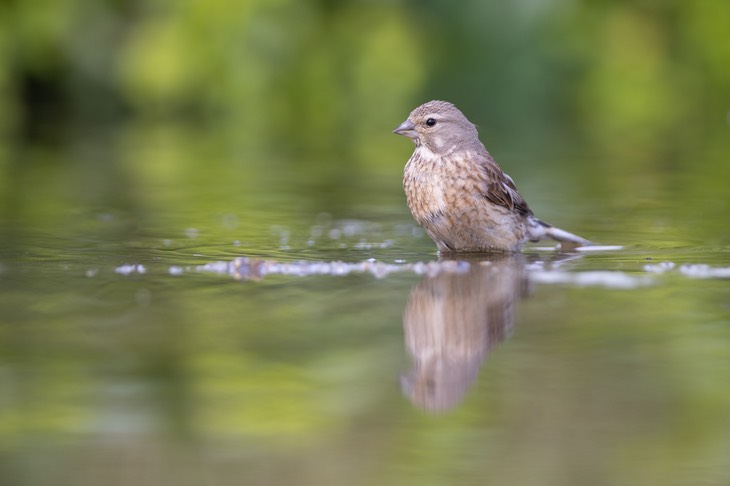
{"type": "Point", "coordinates": [166, 320]}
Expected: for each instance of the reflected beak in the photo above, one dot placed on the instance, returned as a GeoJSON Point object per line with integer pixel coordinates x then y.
{"type": "Point", "coordinates": [406, 129]}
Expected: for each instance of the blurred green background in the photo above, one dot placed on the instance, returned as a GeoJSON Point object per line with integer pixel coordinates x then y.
{"type": "Point", "coordinates": [612, 99]}
{"type": "Point", "coordinates": [314, 71]}
{"type": "Point", "coordinates": [335, 76]}
{"type": "Point", "coordinates": [174, 133]}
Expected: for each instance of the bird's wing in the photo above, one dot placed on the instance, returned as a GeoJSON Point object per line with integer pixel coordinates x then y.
{"type": "Point", "coordinates": [499, 188]}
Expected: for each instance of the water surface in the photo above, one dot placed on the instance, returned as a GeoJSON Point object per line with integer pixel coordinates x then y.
{"type": "Point", "coordinates": [176, 309]}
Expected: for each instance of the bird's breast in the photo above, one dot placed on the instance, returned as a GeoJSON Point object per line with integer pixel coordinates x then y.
{"type": "Point", "coordinates": [425, 186]}
{"type": "Point", "coordinates": [446, 196]}
{"type": "Point", "coordinates": [436, 184]}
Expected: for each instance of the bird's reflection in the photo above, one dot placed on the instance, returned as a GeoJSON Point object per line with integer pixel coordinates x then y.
{"type": "Point", "coordinates": [452, 321]}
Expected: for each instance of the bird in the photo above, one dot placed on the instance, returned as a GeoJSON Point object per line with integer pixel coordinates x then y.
{"type": "Point", "coordinates": [458, 193]}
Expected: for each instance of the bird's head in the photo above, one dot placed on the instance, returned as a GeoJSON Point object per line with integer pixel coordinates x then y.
{"type": "Point", "coordinates": [440, 127]}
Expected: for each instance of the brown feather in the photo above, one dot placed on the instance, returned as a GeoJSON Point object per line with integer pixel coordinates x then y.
{"type": "Point", "coordinates": [499, 188]}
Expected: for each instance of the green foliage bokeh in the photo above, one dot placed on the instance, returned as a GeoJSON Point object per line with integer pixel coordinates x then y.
{"type": "Point", "coordinates": [318, 72]}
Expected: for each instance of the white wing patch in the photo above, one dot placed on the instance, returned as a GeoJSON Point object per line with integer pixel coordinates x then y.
{"type": "Point", "coordinates": [510, 191]}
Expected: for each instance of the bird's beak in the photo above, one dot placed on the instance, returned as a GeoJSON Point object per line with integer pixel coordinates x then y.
{"type": "Point", "coordinates": [406, 129]}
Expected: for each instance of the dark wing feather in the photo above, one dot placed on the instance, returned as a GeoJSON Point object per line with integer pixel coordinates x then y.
{"type": "Point", "coordinates": [499, 188]}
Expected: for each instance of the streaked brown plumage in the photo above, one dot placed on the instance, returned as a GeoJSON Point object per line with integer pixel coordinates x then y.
{"type": "Point", "coordinates": [459, 194]}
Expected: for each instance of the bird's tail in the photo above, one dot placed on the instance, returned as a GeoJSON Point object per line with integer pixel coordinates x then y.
{"type": "Point", "coordinates": [567, 240]}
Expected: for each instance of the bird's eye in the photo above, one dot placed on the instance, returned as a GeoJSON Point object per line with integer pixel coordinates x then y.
{"type": "Point", "coordinates": [430, 122]}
